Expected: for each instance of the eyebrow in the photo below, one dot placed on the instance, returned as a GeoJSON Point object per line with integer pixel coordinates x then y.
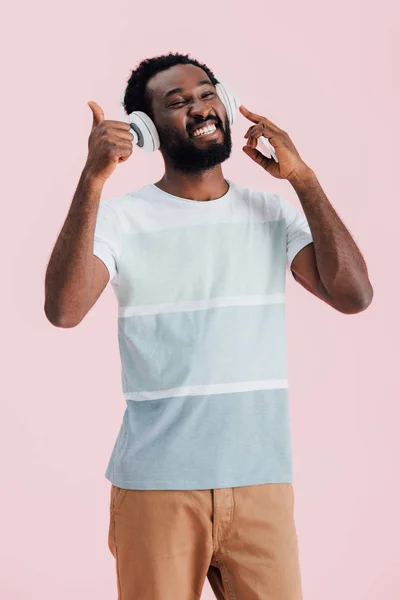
{"type": "Point", "coordinates": [179, 90]}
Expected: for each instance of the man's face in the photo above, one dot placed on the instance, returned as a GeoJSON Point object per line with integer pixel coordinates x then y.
{"type": "Point", "coordinates": [183, 101]}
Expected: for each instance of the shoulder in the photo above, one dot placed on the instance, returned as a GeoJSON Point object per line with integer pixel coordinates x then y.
{"type": "Point", "coordinates": [121, 204]}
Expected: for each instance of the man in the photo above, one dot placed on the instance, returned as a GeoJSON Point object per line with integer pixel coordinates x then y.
{"type": "Point", "coordinates": [201, 471]}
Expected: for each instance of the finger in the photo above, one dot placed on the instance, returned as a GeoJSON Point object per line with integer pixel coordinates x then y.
{"type": "Point", "coordinates": [256, 131]}
{"type": "Point", "coordinates": [122, 134]}
{"type": "Point", "coordinates": [258, 119]}
{"type": "Point", "coordinates": [258, 157]}
{"type": "Point", "coordinates": [122, 151]}
{"type": "Point", "coordinates": [252, 141]}
{"type": "Point", "coordinates": [98, 114]}
{"type": "Point", "coordinates": [250, 115]}
{"type": "Point", "coordinates": [117, 124]}
{"type": "Point", "coordinates": [124, 145]}
{"type": "Point", "coordinates": [250, 131]}
{"type": "Point", "coordinates": [118, 142]}
{"type": "Point", "coordinates": [271, 125]}
{"type": "Point", "coordinates": [125, 154]}
{"type": "Point", "coordinates": [254, 136]}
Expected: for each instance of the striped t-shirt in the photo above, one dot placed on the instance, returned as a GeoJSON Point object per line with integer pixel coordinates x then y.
{"type": "Point", "coordinates": [201, 328]}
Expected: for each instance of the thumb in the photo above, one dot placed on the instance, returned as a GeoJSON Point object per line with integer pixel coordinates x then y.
{"type": "Point", "coordinates": [258, 157]}
{"type": "Point", "coordinates": [98, 114]}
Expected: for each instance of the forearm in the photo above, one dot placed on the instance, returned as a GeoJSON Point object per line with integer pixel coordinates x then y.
{"type": "Point", "coordinates": [341, 267]}
{"type": "Point", "coordinates": [70, 269]}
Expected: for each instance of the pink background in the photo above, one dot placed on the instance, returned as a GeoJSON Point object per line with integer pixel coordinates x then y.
{"type": "Point", "coordinates": [328, 74]}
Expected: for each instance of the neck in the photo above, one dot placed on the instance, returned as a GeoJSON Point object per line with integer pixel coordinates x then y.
{"type": "Point", "coordinates": [209, 185]}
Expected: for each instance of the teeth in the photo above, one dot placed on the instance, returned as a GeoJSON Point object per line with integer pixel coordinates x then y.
{"type": "Point", "coordinates": [204, 130]}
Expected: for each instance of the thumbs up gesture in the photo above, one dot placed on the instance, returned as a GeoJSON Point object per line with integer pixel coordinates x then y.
{"type": "Point", "coordinates": [110, 142]}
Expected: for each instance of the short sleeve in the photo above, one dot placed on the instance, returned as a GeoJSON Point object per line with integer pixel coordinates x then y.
{"type": "Point", "coordinates": [107, 238]}
{"type": "Point", "coordinates": [298, 233]}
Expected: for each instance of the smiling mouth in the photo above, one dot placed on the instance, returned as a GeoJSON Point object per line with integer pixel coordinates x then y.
{"type": "Point", "coordinates": [204, 130]}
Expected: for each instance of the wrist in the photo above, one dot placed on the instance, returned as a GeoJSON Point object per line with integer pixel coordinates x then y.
{"type": "Point", "coordinates": [302, 176]}
{"type": "Point", "coordinates": [91, 178]}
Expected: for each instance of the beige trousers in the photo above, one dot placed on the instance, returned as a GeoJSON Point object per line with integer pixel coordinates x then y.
{"type": "Point", "coordinates": [242, 539]}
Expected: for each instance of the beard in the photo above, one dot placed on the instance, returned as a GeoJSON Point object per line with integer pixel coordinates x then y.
{"type": "Point", "coordinates": [187, 157]}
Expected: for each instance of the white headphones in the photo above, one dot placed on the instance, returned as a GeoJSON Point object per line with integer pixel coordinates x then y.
{"type": "Point", "coordinates": [144, 131]}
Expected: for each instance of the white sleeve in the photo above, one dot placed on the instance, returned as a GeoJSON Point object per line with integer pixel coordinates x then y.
{"type": "Point", "coordinates": [107, 238]}
{"type": "Point", "coordinates": [298, 233]}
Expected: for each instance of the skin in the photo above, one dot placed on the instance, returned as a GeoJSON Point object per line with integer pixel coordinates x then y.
{"type": "Point", "coordinates": [182, 111]}
{"type": "Point", "coordinates": [332, 267]}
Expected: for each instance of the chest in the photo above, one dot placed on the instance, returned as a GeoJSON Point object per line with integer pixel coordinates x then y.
{"type": "Point", "coordinates": [202, 262]}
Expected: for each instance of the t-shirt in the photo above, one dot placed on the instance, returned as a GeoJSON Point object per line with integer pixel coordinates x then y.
{"type": "Point", "coordinates": [202, 336]}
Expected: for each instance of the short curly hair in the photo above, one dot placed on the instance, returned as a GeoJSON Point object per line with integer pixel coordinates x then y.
{"type": "Point", "coordinates": [136, 96]}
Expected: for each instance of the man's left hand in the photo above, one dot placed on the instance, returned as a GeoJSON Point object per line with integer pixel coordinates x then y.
{"type": "Point", "coordinates": [290, 164]}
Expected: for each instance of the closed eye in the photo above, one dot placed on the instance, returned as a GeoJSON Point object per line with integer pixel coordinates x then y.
{"type": "Point", "coordinates": [179, 103]}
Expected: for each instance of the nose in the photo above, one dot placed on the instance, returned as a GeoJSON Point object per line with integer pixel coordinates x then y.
{"type": "Point", "coordinates": [200, 108]}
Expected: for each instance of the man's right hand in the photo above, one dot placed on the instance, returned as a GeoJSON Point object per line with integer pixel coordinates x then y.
{"type": "Point", "coordinates": [110, 142]}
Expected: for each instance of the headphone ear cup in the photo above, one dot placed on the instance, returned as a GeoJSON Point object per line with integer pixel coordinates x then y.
{"type": "Point", "coordinates": [146, 131]}
{"type": "Point", "coordinates": [229, 100]}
